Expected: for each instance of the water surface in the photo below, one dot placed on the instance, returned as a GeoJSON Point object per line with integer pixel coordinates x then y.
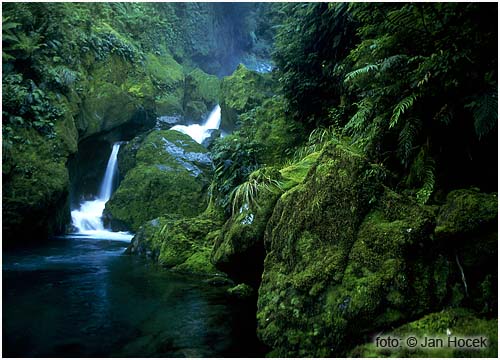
{"type": "Point", "coordinates": [84, 297]}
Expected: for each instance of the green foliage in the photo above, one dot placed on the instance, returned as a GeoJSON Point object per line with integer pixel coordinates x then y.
{"type": "Point", "coordinates": [485, 112]}
{"type": "Point", "coordinates": [235, 158]}
{"type": "Point", "coordinates": [422, 174]}
{"type": "Point", "coordinates": [310, 45]}
{"type": "Point", "coordinates": [245, 194]}
{"type": "Point", "coordinates": [401, 108]}
{"type": "Point", "coordinates": [394, 96]}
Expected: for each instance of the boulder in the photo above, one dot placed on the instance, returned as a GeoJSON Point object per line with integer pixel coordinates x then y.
{"type": "Point", "coordinates": [467, 227]}
{"type": "Point", "coordinates": [344, 257]}
{"type": "Point", "coordinates": [241, 92]}
{"type": "Point", "coordinates": [241, 291]}
{"type": "Point", "coordinates": [183, 244]}
{"type": "Point", "coordinates": [167, 174]}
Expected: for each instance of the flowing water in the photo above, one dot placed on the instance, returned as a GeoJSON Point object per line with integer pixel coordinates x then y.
{"type": "Point", "coordinates": [82, 297]}
{"type": "Point", "coordinates": [87, 219]}
{"type": "Point", "coordinates": [200, 132]}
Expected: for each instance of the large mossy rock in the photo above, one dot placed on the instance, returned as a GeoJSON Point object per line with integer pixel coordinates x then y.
{"type": "Point", "coordinates": [239, 249]}
{"type": "Point", "coordinates": [182, 244]}
{"type": "Point", "coordinates": [344, 257]}
{"type": "Point", "coordinates": [35, 201]}
{"type": "Point", "coordinates": [201, 94]}
{"type": "Point", "coordinates": [169, 174]}
{"type": "Point", "coordinates": [467, 226]}
{"type": "Point", "coordinates": [242, 91]}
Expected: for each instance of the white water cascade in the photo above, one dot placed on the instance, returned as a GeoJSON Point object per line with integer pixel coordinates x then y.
{"type": "Point", "coordinates": [200, 132]}
{"type": "Point", "coordinates": [88, 218]}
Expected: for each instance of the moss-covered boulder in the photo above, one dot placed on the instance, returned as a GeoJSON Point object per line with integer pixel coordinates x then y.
{"type": "Point", "coordinates": [460, 323]}
{"type": "Point", "coordinates": [239, 250]}
{"type": "Point", "coordinates": [241, 291]}
{"type": "Point", "coordinates": [241, 92]}
{"type": "Point", "coordinates": [201, 94]}
{"type": "Point", "coordinates": [344, 259]}
{"type": "Point", "coordinates": [170, 175]}
{"type": "Point", "coordinates": [467, 228]}
{"type": "Point", "coordinates": [35, 185]}
{"type": "Point", "coordinates": [182, 244]}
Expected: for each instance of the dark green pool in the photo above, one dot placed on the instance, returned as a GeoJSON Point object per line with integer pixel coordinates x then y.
{"type": "Point", "coordinates": [84, 298]}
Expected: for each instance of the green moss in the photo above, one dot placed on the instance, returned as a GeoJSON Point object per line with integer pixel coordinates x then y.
{"type": "Point", "coordinates": [169, 104]}
{"type": "Point", "coordinates": [194, 110]}
{"type": "Point", "coordinates": [296, 172]}
{"type": "Point", "coordinates": [202, 87]}
{"type": "Point", "coordinates": [459, 322]}
{"type": "Point", "coordinates": [343, 259]}
{"type": "Point", "coordinates": [182, 244]}
{"type": "Point", "coordinates": [241, 291]}
{"type": "Point", "coordinates": [170, 175]}
{"type": "Point", "coordinates": [241, 92]}
{"type": "Point", "coordinates": [466, 211]}
{"type": "Point", "coordinates": [164, 71]}
{"type": "Point", "coordinates": [35, 187]}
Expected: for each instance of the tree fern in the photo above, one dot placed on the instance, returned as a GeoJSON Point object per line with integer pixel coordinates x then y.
{"type": "Point", "coordinates": [401, 108]}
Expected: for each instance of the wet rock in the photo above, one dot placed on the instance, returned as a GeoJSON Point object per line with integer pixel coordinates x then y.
{"type": "Point", "coordinates": [167, 174]}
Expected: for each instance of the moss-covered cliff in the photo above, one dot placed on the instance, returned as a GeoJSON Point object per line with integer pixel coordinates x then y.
{"type": "Point", "coordinates": [72, 71]}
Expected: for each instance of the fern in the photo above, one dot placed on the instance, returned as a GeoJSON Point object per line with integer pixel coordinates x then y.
{"type": "Point", "coordinates": [422, 174]}
{"type": "Point", "coordinates": [359, 120]}
{"type": "Point", "coordinates": [425, 192]}
{"type": "Point", "coordinates": [246, 193]}
{"type": "Point", "coordinates": [401, 108]}
{"type": "Point", "coordinates": [485, 112]}
{"type": "Point", "coordinates": [392, 61]}
{"type": "Point", "coordinates": [406, 139]}
{"type": "Point", "coordinates": [364, 70]}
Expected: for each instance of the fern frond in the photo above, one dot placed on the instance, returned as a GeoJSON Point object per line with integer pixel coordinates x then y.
{"type": "Point", "coordinates": [406, 139]}
{"type": "Point", "coordinates": [358, 121]}
{"type": "Point", "coordinates": [401, 108]}
{"type": "Point", "coordinates": [392, 61]}
{"type": "Point", "coordinates": [425, 192]}
{"type": "Point", "coordinates": [364, 70]}
{"type": "Point", "coordinates": [422, 174]}
{"type": "Point", "coordinates": [485, 112]}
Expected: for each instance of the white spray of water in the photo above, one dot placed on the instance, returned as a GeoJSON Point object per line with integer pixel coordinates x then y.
{"type": "Point", "coordinates": [200, 132]}
{"type": "Point", "coordinates": [88, 218]}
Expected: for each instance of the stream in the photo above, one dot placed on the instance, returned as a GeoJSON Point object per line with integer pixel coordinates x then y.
{"type": "Point", "coordinates": [82, 297]}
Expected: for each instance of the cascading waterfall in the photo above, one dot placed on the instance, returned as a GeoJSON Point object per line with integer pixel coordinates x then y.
{"type": "Point", "coordinates": [88, 218]}
{"type": "Point", "coordinates": [200, 132]}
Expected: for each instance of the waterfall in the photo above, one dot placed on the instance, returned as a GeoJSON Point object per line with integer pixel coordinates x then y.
{"type": "Point", "coordinates": [109, 176]}
{"type": "Point", "coordinates": [88, 218]}
{"type": "Point", "coordinates": [200, 132]}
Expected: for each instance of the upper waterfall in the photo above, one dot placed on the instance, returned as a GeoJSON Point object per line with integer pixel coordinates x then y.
{"type": "Point", "coordinates": [200, 132]}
